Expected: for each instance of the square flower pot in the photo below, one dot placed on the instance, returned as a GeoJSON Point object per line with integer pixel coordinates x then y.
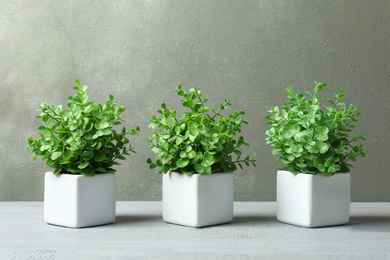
{"type": "Point", "coordinates": [198, 200]}
{"type": "Point", "coordinates": [77, 201]}
{"type": "Point", "coordinates": [313, 200]}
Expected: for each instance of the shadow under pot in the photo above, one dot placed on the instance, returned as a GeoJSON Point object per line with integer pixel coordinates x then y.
{"type": "Point", "coordinates": [309, 200]}
{"type": "Point", "coordinates": [198, 200]}
{"type": "Point", "coordinates": [77, 201]}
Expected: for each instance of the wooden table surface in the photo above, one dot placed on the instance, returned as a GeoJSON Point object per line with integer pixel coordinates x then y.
{"type": "Point", "coordinates": [140, 233]}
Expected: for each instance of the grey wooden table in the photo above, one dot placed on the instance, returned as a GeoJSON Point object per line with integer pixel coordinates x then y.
{"type": "Point", "coordinates": [139, 232]}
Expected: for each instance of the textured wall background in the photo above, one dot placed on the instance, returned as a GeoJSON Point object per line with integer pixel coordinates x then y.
{"type": "Point", "coordinates": [139, 51]}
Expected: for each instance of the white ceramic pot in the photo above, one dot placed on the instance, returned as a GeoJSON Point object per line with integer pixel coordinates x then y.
{"type": "Point", "coordinates": [198, 200]}
{"type": "Point", "coordinates": [313, 200]}
{"type": "Point", "coordinates": [77, 201]}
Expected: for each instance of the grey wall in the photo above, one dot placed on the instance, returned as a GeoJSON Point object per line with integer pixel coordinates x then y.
{"type": "Point", "coordinates": [139, 51]}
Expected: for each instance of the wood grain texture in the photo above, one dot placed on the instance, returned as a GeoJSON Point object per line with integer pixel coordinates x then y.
{"type": "Point", "coordinates": [139, 232]}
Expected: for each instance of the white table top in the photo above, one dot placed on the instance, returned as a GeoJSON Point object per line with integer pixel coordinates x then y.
{"type": "Point", "coordinates": [139, 232]}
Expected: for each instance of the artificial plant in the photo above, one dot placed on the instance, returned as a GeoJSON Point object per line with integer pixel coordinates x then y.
{"type": "Point", "coordinates": [314, 138]}
{"type": "Point", "coordinates": [202, 141]}
{"type": "Point", "coordinates": [81, 140]}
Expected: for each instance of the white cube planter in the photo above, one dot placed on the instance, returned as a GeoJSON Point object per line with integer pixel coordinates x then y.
{"type": "Point", "coordinates": [198, 200]}
{"type": "Point", "coordinates": [77, 201]}
{"type": "Point", "coordinates": [313, 200]}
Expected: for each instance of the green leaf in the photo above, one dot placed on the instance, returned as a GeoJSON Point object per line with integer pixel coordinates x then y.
{"type": "Point", "coordinates": [88, 109]}
{"type": "Point", "coordinates": [238, 153]}
{"type": "Point", "coordinates": [52, 124]}
{"type": "Point", "coordinates": [229, 147]}
{"type": "Point", "coordinates": [328, 155]}
{"type": "Point", "coordinates": [322, 130]}
{"type": "Point", "coordinates": [89, 172]}
{"type": "Point", "coordinates": [183, 154]}
{"type": "Point", "coordinates": [199, 168]}
{"type": "Point", "coordinates": [187, 171]}
{"type": "Point", "coordinates": [103, 125]}
{"type": "Point", "coordinates": [182, 162]}
{"type": "Point", "coordinates": [166, 159]}
{"type": "Point", "coordinates": [88, 127]}
{"type": "Point", "coordinates": [47, 134]}
{"type": "Point", "coordinates": [177, 129]}
{"type": "Point", "coordinates": [83, 165]}
{"type": "Point", "coordinates": [159, 163]}
{"type": "Point", "coordinates": [331, 101]}
{"type": "Point", "coordinates": [77, 88]}
{"type": "Point", "coordinates": [321, 168]}
{"type": "Point", "coordinates": [179, 140]}
{"type": "Point", "coordinates": [56, 155]}
{"type": "Point", "coordinates": [99, 157]}
{"type": "Point", "coordinates": [301, 165]}
{"type": "Point", "coordinates": [290, 157]}
{"type": "Point", "coordinates": [191, 154]}
{"type": "Point", "coordinates": [329, 163]}
{"type": "Point", "coordinates": [318, 88]}
{"type": "Point", "coordinates": [194, 131]}
{"type": "Point", "coordinates": [196, 159]}
{"type": "Point", "coordinates": [277, 151]}
{"type": "Point", "coordinates": [188, 104]}
{"type": "Point", "coordinates": [285, 161]}
{"type": "Point", "coordinates": [165, 168]}
{"type": "Point", "coordinates": [235, 114]}
{"type": "Point", "coordinates": [106, 131]}
{"type": "Point", "coordinates": [192, 138]}
{"type": "Point", "coordinates": [324, 148]}
{"type": "Point", "coordinates": [329, 109]}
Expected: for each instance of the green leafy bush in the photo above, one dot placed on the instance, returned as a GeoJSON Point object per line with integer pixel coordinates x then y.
{"type": "Point", "coordinates": [198, 142]}
{"type": "Point", "coordinates": [312, 138]}
{"type": "Point", "coordinates": [81, 140]}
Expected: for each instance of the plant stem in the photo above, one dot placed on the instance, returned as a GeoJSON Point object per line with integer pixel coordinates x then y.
{"type": "Point", "coordinates": [159, 147]}
{"type": "Point", "coordinates": [54, 114]}
{"type": "Point", "coordinates": [217, 113]}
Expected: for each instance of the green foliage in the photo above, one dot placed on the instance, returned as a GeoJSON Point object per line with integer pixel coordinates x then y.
{"type": "Point", "coordinates": [198, 142]}
{"type": "Point", "coordinates": [312, 138]}
{"type": "Point", "coordinates": [81, 140]}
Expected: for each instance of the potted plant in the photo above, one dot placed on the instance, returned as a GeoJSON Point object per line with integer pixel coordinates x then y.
{"type": "Point", "coordinates": [313, 188]}
{"type": "Point", "coordinates": [82, 147]}
{"type": "Point", "coordinates": [195, 155]}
